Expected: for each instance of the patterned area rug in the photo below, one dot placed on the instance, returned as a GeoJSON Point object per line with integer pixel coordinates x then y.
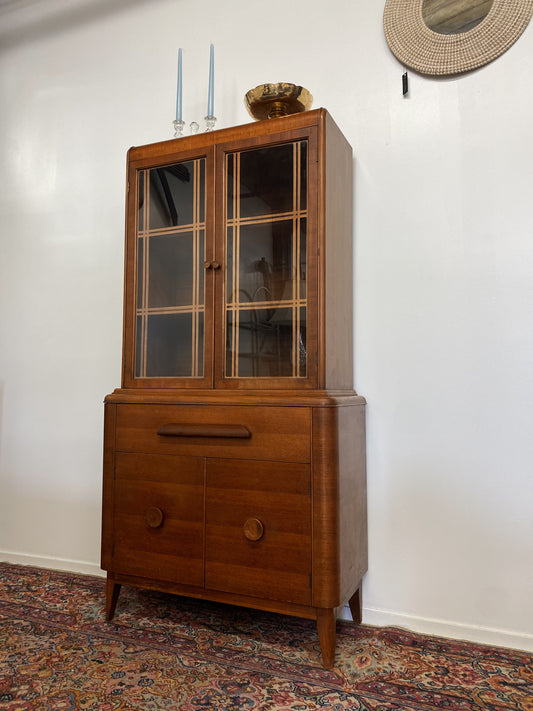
{"type": "Point", "coordinates": [166, 652]}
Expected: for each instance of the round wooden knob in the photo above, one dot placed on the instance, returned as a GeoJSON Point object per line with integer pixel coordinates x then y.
{"type": "Point", "coordinates": [253, 529]}
{"type": "Point", "coordinates": [207, 264]}
{"type": "Point", "coordinates": [216, 265]}
{"type": "Point", "coordinates": [154, 517]}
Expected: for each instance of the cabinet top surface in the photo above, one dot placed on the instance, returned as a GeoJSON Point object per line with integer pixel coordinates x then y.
{"type": "Point", "coordinates": [266, 127]}
{"type": "Point", "coordinates": [289, 398]}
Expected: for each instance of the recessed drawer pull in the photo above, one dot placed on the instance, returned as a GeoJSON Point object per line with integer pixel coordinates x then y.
{"type": "Point", "coordinates": [231, 431]}
{"type": "Point", "coordinates": [253, 529]}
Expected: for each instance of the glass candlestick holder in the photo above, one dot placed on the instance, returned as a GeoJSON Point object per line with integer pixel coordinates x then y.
{"type": "Point", "coordinates": [178, 128]}
{"type": "Point", "coordinates": [195, 127]}
{"type": "Point", "coordinates": [210, 122]}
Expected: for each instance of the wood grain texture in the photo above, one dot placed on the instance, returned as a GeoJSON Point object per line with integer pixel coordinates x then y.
{"type": "Point", "coordinates": [252, 491]}
{"type": "Point", "coordinates": [108, 488]}
{"type": "Point", "coordinates": [336, 245]}
{"type": "Point", "coordinates": [248, 398]}
{"type": "Point", "coordinates": [174, 549]}
{"type": "Point", "coordinates": [278, 564]}
{"type": "Point", "coordinates": [353, 533]}
{"type": "Point", "coordinates": [276, 433]}
{"type": "Point", "coordinates": [256, 603]}
{"type": "Point", "coordinates": [339, 504]}
{"type": "Point", "coordinates": [326, 525]}
{"type": "Point", "coordinates": [327, 633]}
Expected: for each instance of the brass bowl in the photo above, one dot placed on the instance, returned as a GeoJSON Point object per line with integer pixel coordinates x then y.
{"type": "Point", "coordinates": [272, 100]}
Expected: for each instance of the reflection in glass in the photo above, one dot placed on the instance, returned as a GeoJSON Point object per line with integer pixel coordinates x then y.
{"type": "Point", "coordinates": [266, 181]}
{"type": "Point", "coordinates": [170, 274]}
{"type": "Point", "coordinates": [453, 17]}
{"type": "Point", "coordinates": [171, 269]}
{"type": "Point", "coordinates": [169, 345]}
{"type": "Point", "coordinates": [172, 195]}
{"type": "Point", "coordinates": [265, 261]}
{"type": "Point", "coordinates": [266, 220]}
{"type": "Point", "coordinates": [269, 342]}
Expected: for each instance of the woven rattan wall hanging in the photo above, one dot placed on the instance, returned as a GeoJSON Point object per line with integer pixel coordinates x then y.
{"type": "Point", "coordinates": [467, 33]}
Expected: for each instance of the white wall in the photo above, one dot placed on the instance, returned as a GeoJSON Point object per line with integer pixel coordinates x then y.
{"type": "Point", "coordinates": [444, 278]}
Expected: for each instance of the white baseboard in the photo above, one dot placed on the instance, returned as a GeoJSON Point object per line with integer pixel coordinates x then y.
{"type": "Point", "coordinates": [371, 616]}
{"type": "Point", "coordinates": [39, 561]}
{"type": "Point", "coordinates": [449, 629]}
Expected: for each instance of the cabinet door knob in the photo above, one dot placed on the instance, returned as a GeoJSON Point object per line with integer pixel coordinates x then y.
{"type": "Point", "coordinates": [208, 264]}
{"type": "Point", "coordinates": [216, 265]}
{"type": "Point", "coordinates": [154, 517]}
{"type": "Point", "coordinates": [253, 529]}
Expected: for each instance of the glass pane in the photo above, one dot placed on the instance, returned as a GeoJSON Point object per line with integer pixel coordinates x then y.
{"type": "Point", "coordinates": [270, 343]}
{"type": "Point", "coordinates": [141, 198]}
{"type": "Point", "coordinates": [170, 272]}
{"type": "Point", "coordinates": [172, 195]}
{"type": "Point", "coordinates": [266, 257]}
{"type": "Point", "coordinates": [140, 263]}
{"type": "Point", "coordinates": [262, 181]}
{"type": "Point", "coordinates": [230, 284]}
{"type": "Point", "coordinates": [265, 261]}
{"type": "Point", "coordinates": [169, 347]}
{"type": "Point", "coordinates": [231, 190]}
{"type": "Point", "coordinates": [138, 346]}
{"type": "Point", "coordinates": [302, 262]}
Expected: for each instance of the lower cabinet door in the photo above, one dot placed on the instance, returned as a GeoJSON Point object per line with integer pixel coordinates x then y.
{"type": "Point", "coordinates": [258, 529]}
{"type": "Point", "coordinates": [159, 517]}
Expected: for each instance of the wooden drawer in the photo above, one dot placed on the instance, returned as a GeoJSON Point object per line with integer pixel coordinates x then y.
{"type": "Point", "coordinates": [234, 432]}
{"type": "Point", "coordinates": [258, 529]}
{"type": "Point", "coordinates": [159, 517]}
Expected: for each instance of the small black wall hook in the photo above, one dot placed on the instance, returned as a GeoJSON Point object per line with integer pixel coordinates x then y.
{"type": "Point", "coordinates": [405, 83]}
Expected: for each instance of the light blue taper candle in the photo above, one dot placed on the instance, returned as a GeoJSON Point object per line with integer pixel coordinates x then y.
{"type": "Point", "coordinates": [211, 93]}
{"type": "Point", "coordinates": [178, 97]}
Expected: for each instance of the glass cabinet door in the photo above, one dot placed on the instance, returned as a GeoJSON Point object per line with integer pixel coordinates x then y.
{"type": "Point", "coordinates": [266, 223]}
{"type": "Point", "coordinates": [171, 245]}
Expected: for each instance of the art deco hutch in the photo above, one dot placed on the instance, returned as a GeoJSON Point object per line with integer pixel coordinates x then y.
{"type": "Point", "coordinates": [234, 452]}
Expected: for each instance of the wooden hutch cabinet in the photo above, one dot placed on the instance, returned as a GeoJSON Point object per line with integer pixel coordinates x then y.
{"type": "Point", "coordinates": [234, 452]}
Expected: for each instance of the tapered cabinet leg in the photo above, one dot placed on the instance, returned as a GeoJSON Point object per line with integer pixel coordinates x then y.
{"type": "Point", "coordinates": [356, 605]}
{"type": "Point", "coordinates": [112, 593]}
{"type": "Point", "coordinates": [326, 624]}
